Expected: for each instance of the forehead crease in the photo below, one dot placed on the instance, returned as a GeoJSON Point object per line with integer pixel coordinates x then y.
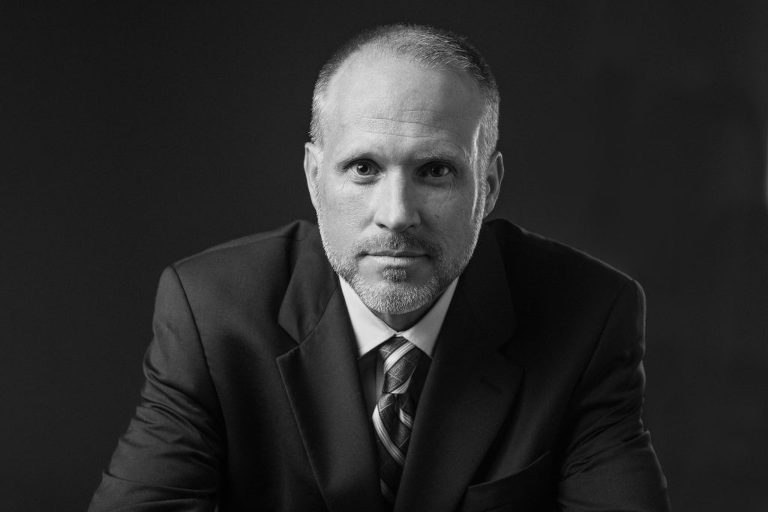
{"type": "Point", "coordinates": [407, 127]}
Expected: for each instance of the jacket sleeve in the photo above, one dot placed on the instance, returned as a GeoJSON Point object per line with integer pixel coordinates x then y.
{"type": "Point", "coordinates": [171, 455]}
{"type": "Point", "coordinates": [610, 463]}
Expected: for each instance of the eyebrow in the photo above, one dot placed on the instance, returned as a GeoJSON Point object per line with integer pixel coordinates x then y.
{"type": "Point", "coordinates": [444, 153]}
{"type": "Point", "coordinates": [438, 155]}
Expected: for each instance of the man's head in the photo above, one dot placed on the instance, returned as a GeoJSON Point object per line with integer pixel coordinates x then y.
{"type": "Point", "coordinates": [402, 166]}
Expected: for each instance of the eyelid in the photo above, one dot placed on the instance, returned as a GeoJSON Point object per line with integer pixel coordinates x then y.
{"type": "Point", "coordinates": [351, 163]}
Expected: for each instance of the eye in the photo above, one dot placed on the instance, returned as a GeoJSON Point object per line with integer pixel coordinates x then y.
{"type": "Point", "coordinates": [436, 170]}
{"type": "Point", "coordinates": [363, 168]}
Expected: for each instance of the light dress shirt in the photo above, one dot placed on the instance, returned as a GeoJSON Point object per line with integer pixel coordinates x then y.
{"type": "Point", "coordinates": [371, 331]}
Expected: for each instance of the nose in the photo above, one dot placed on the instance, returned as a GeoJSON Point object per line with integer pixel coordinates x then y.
{"type": "Point", "coordinates": [396, 204]}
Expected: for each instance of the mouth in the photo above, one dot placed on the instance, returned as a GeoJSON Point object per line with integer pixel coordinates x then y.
{"type": "Point", "coordinates": [396, 254]}
{"type": "Point", "coordinates": [388, 258]}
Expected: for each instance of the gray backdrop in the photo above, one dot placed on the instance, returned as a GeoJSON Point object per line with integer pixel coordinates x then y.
{"type": "Point", "coordinates": [134, 134]}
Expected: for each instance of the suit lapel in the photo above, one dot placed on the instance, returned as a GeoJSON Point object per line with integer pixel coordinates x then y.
{"type": "Point", "coordinates": [469, 389]}
{"type": "Point", "coordinates": [322, 381]}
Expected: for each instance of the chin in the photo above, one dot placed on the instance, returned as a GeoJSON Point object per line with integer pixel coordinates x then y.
{"type": "Point", "coordinates": [395, 275]}
{"type": "Point", "coordinates": [393, 297]}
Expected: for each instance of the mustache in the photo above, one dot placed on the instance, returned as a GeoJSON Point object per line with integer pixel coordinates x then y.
{"type": "Point", "coordinates": [396, 242]}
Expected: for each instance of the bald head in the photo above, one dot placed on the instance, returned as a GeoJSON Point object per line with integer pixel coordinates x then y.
{"type": "Point", "coordinates": [427, 47]}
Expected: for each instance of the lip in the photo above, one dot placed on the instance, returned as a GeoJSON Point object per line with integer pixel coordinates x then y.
{"type": "Point", "coordinates": [395, 261]}
{"type": "Point", "coordinates": [396, 254]}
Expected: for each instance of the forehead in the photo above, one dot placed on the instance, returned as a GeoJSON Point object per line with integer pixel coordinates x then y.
{"type": "Point", "coordinates": [393, 96]}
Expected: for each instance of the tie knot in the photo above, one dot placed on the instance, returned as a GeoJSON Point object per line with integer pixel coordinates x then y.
{"type": "Point", "coordinates": [400, 358]}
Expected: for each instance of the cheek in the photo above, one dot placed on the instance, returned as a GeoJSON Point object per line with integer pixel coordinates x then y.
{"type": "Point", "coordinates": [453, 212]}
{"type": "Point", "coordinates": [344, 207]}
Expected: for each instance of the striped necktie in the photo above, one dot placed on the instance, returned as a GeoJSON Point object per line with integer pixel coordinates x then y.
{"type": "Point", "coordinates": [393, 415]}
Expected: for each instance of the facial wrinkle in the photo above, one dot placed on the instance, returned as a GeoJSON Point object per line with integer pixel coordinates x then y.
{"type": "Point", "coordinates": [373, 124]}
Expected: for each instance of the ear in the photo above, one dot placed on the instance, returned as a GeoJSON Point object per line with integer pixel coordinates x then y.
{"type": "Point", "coordinates": [494, 174]}
{"type": "Point", "coordinates": [312, 159]}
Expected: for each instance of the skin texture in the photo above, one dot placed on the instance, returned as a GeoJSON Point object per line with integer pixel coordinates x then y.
{"type": "Point", "coordinates": [397, 185]}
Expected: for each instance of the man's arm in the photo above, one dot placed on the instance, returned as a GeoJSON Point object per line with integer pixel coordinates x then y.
{"type": "Point", "coordinates": [610, 463]}
{"type": "Point", "coordinates": [170, 456]}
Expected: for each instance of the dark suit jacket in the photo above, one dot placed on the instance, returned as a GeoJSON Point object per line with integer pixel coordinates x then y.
{"type": "Point", "coordinates": [253, 399]}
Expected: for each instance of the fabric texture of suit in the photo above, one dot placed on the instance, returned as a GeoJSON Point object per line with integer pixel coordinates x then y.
{"type": "Point", "coordinates": [253, 401]}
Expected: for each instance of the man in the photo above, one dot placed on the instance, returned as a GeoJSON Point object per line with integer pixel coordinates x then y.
{"type": "Point", "coordinates": [404, 356]}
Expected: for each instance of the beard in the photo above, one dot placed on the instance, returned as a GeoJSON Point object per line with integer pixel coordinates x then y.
{"type": "Point", "coordinates": [393, 293]}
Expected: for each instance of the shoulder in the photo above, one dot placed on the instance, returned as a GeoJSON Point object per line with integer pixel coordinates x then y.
{"type": "Point", "coordinates": [253, 268]}
{"type": "Point", "coordinates": [532, 252]}
{"type": "Point", "coordinates": [277, 242]}
{"type": "Point", "coordinates": [544, 273]}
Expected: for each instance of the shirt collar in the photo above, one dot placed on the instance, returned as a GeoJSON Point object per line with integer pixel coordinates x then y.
{"type": "Point", "coordinates": [371, 331]}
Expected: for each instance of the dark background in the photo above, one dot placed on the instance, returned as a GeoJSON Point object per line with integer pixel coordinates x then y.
{"type": "Point", "coordinates": [137, 133]}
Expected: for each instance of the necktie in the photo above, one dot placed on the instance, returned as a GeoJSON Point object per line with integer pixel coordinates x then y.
{"type": "Point", "coordinates": [393, 415]}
